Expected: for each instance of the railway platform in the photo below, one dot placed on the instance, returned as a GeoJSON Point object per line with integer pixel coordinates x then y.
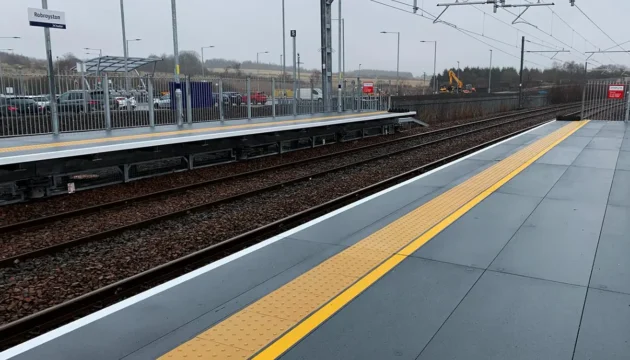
{"type": "Point", "coordinates": [43, 165]}
{"type": "Point", "coordinates": [45, 147]}
{"type": "Point", "coordinates": [517, 251]}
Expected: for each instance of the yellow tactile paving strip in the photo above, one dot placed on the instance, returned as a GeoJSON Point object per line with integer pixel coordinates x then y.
{"type": "Point", "coordinates": [177, 132]}
{"type": "Point", "coordinates": [271, 325]}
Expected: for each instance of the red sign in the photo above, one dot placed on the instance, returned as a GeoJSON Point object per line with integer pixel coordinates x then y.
{"type": "Point", "coordinates": [368, 88]}
{"type": "Point", "coordinates": [616, 91]}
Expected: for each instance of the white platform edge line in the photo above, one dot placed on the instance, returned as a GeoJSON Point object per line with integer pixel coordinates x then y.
{"type": "Point", "coordinates": [53, 334]}
{"type": "Point", "coordinates": [177, 139]}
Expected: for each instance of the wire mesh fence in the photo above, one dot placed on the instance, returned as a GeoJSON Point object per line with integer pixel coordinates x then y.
{"type": "Point", "coordinates": [610, 98]}
{"type": "Point", "coordinates": [105, 101]}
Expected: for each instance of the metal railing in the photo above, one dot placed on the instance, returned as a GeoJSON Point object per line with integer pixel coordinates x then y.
{"type": "Point", "coordinates": [102, 102]}
{"type": "Point", "coordinates": [610, 97]}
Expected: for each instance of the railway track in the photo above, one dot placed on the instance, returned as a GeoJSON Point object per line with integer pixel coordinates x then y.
{"type": "Point", "coordinates": [68, 229]}
{"type": "Point", "coordinates": [37, 212]}
{"type": "Point", "coordinates": [50, 209]}
{"type": "Point", "coordinates": [40, 321]}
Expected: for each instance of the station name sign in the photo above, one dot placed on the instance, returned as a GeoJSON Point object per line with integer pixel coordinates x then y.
{"type": "Point", "coordinates": [47, 18]}
{"type": "Point", "coordinates": [616, 91]}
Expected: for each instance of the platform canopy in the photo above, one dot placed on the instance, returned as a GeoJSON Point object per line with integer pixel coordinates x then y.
{"type": "Point", "coordinates": [117, 64]}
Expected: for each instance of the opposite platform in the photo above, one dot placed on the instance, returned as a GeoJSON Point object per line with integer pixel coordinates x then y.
{"type": "Point", "coordinates": [488, 257]}
{"type": "Point", "coordinates": [43, 147]}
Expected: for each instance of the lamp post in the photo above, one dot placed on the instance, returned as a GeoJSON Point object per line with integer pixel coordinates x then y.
{"type": "Point", "coordinates": [100, 51]}
{"type": "Point", "coordinates": [359, 71]}
{"type": "Point", "coordinates": [258, 69]}
{"type": "Point", "coordinates": [397, 58]}
{"type": "Point", "coordinates": [124, 36]}
{"type": "Point", "coordinates": [434, 63]}
{"type": "Point", "coordinates": [203, 64]}
{"type": "Point", "coordinates": [435, 88]}
{"type": "Point", "coordinates": [130, 40]}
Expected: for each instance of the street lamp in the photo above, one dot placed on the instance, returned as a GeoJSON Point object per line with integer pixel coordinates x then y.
{"type": "Point", "coordinates": [435, 88]}
{"type": "Point", "coordinates": [458, 69]}
{"type": "Point", "coordinates": [359, 71]}
{"type": "Point", "coordinates": [125, 48]}
{"type": "Point", "coordinates": [128, 41]}
{"type": "Point", "coordinates": [100, 51]}
{"type": "Point", "coordinates": [397, 57]}
{"type": "Point", "coordinates": [203, 65]}
{"type": "Point", "coordinates": [9, 37]}
{"type": "Point", "coordinates": [258, 68]}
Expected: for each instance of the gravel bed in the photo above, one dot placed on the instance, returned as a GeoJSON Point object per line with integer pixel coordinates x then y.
{"type": "Point", "coordinates": [64, 230]}
{"type": "Point", "coordinates": [31, 210]}
{"type": "Point", "coordinates": [36, 284]}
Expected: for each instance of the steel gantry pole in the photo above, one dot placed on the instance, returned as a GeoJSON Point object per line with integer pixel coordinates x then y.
{"type": "Point", "coordinates": [490, 74]}
{"type": "Point", "coordinates": [435, 86]}
{"type": "Point", "coordinates": [398, 64]}
{"type": "Point", "coordinates": [51, 78]}
{"type": "Point", "coordinates": [326, 50]}
{"type": "Point", "coordinates": [520, 82]}
{"type": "Point", "coordinates": [178, 85]}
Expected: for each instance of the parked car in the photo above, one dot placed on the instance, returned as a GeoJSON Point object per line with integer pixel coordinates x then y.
{"type": "Point", "coordinates": [19, 105]}
{"type": "Point", "coordinates": [43, 101]}
{"type": "Point", "coordinates": [232, 98]}
{"type": "Point", "coordinates": [73, 101]}
{"type": "Point", "coordinates": [125, 101]}
{"type": "Point", "coordinates": [257, 98]}
{"type": "Point", "coordinates": [163, 102]}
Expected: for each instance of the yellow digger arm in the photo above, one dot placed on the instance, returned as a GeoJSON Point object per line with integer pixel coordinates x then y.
{"type": "Point", "coordinates": [452, 76]}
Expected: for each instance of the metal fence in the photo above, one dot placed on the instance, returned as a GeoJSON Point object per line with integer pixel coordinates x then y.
{"type": "Point", "coordinates": [102, 102]}
{"type": "Point", "coordinates": [607, 99]}
{"type": "Point", "coordinates": [435, 109]}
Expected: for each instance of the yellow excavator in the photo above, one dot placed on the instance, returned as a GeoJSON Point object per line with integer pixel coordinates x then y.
{"type": "Point", "coordinates": [460, 85]}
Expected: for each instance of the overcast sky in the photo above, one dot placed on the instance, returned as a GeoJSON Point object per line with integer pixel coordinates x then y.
{"type": "Point", "coordinates": [241, 28]}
